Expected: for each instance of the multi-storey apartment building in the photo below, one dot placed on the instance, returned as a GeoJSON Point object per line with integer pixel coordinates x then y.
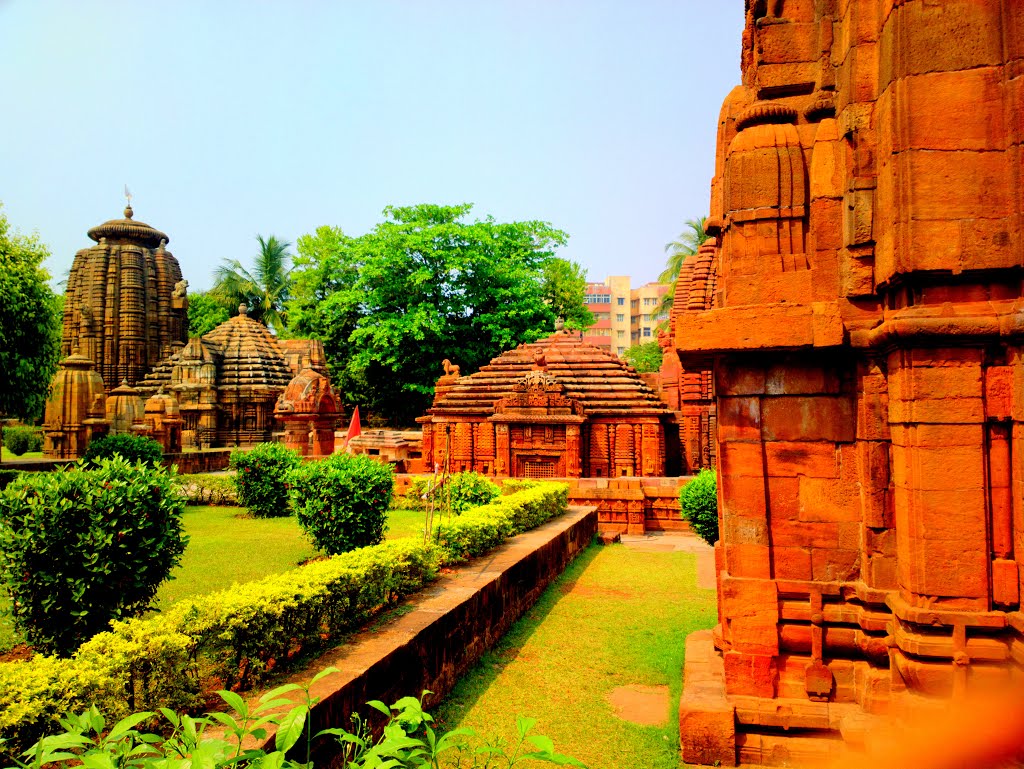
{"type": "Point", "coordinates": [622, 316]}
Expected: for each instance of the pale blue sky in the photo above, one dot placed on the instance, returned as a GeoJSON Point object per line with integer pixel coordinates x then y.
{"type": "Point", "coordinates": [228, 119]}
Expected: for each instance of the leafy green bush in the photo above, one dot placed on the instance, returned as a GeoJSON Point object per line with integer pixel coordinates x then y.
{"type": "Point", "coordinates": [698, 502]}
{"type": "Point", "coordinates": [408, 739]}
{"type": "Point", "coordinates": [342, 501]}
{"type": "Point", "coordinates": [462, 490]}
{"type": "Point", "coordinates": [6, 476]}
{"type": "Point", "coordinates": [134, 448]}
{"type": "Point", "coordinates": [209, 489]}
{"type": "Point", "coordinates": [262, 479]}
{"type": "Point", "coordinates": [82, 547]}
{"type": "Point", "coordinates": [21, 439]}
{"type": "Point", "coordinates": [478, 530]}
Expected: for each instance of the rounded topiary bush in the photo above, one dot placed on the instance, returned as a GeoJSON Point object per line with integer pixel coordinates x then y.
{"type": "Point", "coordinates": [82, 547]}
{"type": "Point", "coordinates": [342, 502]}
{"type": "Point", "coordinates": [698, 502]}
{"type": "Point", "coordinates": [20, 439]}
{"type": "Point", "coordinates": [133, 448]}
{"type": "Point", "coordinates": [262, 478]}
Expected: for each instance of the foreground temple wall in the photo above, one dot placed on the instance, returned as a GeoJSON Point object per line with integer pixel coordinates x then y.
{"type": "Point", "coordinates": [864, 331]}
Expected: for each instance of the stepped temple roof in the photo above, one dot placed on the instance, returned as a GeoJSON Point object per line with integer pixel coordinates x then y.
{"type": "Point", "coordinates": [602, 384]}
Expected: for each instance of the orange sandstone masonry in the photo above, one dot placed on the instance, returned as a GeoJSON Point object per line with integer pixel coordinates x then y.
{"type": "Point", "coordinates": [860, 305]}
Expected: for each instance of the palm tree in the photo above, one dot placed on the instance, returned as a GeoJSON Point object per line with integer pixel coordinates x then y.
{"type": "Point", "coordinates": [689, 241]}
{"type": "Point", "coordinates": [265, 290]}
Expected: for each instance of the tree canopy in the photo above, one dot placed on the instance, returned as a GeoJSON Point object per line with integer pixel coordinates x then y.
{"type": "Point", "coordinates": [30, 324]}
{"type": "Point", "coordinates": [424, 285]}
{"type": "Point", "coordinates": [266, 289]}
{"type": "Point", "coordinates": [565, 287]}
{"type": "Point", "coordinates": [644, 357]}
{"type": "Point", "coordinates": [686, 245]}
{"type": "Point", "coordinates": [205, 313]}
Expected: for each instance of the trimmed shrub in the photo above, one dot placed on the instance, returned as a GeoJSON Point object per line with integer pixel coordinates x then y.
{"type": "Point", "coordinates": [698, 502]}
{"type": "Point", "coordinates": [342, 501]}
{"type": "Point", "coordinates": [21, 439]}
{"type": "Point", "coordinates": [478, 530]}
{"type": "Point", "coordinates": [262, 478]}
{"type": "Point", "coordinates": [7, 476]}
{"type": "Point", "coordinates": [464, 490]}
{"type": "Point", "coordinates": [82, 547]}
{"type": "Point", "coordinates": [133, 448]}
{"type": "Point", "coordinates": [513, 485]}
{"type": "Point", "coordinates": [209, 489]}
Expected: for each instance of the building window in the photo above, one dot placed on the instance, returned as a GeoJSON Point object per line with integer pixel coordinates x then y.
{"type": "Point", "coordinates": [620, 317]}
{"type": "Point", "coordinates": [622, 301]}
{"type": "Point", "coordinates": [647, 331]}
{"type": "Point", "coordinates": [620, 334]}
{"type": "Point", "coordinates": [621, 350]}
{"type": "Point", "coordinates": [646, 318]}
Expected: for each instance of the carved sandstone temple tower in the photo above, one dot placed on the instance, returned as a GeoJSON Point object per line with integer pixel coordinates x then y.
{"type": "Point", "coordinates": [125, 306]}
{"type": "Point", "coordinates": [867, 339]}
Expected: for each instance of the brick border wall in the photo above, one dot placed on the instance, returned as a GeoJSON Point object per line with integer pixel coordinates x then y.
{"type": "Point", "coordinates": [189, 463]}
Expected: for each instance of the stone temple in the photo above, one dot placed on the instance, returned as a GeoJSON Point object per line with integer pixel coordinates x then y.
{"type": "Point", "coordinates": [866, 338]}
{"type": "Point", "coordinates": [129, 365]}
{"type": "Point", "coordinates": [553, 408]}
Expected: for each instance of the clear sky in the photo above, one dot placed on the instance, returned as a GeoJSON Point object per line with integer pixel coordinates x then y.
{"type": "Point", "coordinates": [228, 119]}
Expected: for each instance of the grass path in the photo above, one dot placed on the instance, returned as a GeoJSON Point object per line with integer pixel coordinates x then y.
{"type": "Point", "coordinates": [616, 617]}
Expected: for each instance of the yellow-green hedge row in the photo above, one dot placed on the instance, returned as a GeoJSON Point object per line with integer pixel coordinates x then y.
{"type": "Point", "coordinates": [241, 633]}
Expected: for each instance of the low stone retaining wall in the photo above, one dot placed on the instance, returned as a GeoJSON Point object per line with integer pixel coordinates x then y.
{"type": "Point", "coordinates": [450, 626]}
{"type": "Point", "coordinates": [626, 505]}
{"type": "Point", "coordinates": [188, 463]}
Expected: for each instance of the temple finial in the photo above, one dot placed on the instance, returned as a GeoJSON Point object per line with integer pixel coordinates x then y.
{"type": "Point", "coordinates": [128, 213]}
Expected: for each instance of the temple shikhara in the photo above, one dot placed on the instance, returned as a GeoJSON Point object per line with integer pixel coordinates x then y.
{"type": "Point", "coordinates": [866, 338]}
{"type": "Point", "coordinates": [130, 366]}
{"type": "Point", "coordinates": [556, 408]}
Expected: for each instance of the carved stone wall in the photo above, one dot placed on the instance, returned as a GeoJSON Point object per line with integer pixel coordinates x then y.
{"type": "Point", "coordinates": [865, 338]}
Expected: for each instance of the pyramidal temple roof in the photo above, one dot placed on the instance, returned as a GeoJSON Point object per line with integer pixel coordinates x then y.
{"type": "Point", "coordinates": [604, 384]}
{"type": "Point", "coordinates": [250, 354]}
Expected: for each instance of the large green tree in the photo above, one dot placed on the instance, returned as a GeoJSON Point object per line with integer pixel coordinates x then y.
{"type": "Point", "coordinates": [685, 245]}
{"type": "Point", "coordinates": [565, 286]}
{"type": "Point", "coordinates": [29, 324]}
{"type": "Point", "coordinates": [205, 313]}
{"type": "Point", "coordinates": [265, 289]}
{"type": "Point", "coordinates": [424, 285]}
{"type": "Point", "coordinates": [644, 357]}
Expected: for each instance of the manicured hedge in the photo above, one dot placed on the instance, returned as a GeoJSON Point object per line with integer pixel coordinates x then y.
{"type": "Point", "coordinates": [240, 634]}
{"type": "Point", "coordinates": [478, 530]}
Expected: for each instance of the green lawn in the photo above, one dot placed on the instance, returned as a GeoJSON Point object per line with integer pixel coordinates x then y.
{"type": "Point", "coordinates": [616, 617]}
{"type": "Point", "coordinates": [7, 456]}
{"type": "Point", "coordinates": [226, 547]}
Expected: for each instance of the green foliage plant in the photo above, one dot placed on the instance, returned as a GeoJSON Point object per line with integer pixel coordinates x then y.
{"type": "Point", "coordinates": [134, 448]}
{"type": "Point", "coordinates": [82, 547]}
{"type": "Point", "coordinates": [6, 476]}
{"type": "Point", "coordinates": [261, 478]}
{"type": "Point", "coordinates": [341, 502]}
{"type": "Point", "coordinates": [264, 290]}
{"type": "Point", "coordinates": [30, 324]}
{"type": "Point", "coordinates": [698, 502]}
{"type": "Point", "coordinates": [205, 313]}
{"type": "Point", "coordinates": [514, 485]}
{"type": "Point", "coordinates": [460, 491]}
{"type": "Point", "coordinates": [240, 737]}
{"type": "Point", "coordinates": [22, 439]}
{"type": "Point", "coordinates": [209, 489]}
{"type": "Point", "coordinates": [645, 357]}
{"type": "Point", "coordinates": [478, 530]}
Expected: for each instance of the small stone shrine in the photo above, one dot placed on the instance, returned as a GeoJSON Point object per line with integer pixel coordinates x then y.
{"type": "Point", "coordinates": [866, 335]}
{"type": "Point", "coordinates": [227, 384]}
{"type": "Point", "coordinates": [553, 408]}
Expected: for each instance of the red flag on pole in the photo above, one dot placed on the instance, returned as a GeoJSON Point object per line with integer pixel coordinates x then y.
{"type": "Point", "coordinates": [353, 427]}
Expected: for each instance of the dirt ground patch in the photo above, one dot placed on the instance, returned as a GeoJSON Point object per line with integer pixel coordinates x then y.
{"type": "Point", "coordinates": [647, 705]}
